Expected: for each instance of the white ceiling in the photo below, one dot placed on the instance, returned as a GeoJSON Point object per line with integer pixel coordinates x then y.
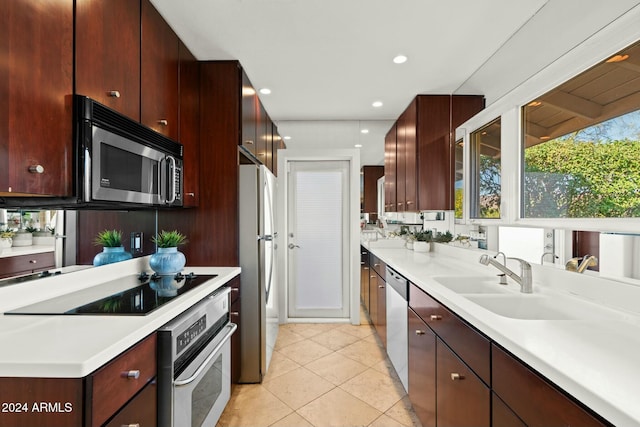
{"type": "Point", "coordinates": [326, 61]}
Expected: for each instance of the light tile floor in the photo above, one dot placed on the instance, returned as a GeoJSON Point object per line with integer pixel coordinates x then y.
{"type": "Point", "coordinates": [323, 375]}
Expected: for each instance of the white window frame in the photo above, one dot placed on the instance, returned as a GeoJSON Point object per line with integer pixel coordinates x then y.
{"type": "Point", "coordinates": [612, 38]}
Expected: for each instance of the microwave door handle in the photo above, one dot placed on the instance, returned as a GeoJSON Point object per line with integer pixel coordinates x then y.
{"type": "Point", "coordinates": [87, 175]}
{"type": "Point", "coordinates": [161, 168]}
{"type": "Point", "coordinates": [172, 176]}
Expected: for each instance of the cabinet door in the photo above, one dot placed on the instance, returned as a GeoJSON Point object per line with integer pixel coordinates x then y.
{"type": "Point", "coordinates": [261, 133]}
{"type": "Point", "coordinates": [373, 297]}
{"type": "Point", "coordinates": [36, 84]}
{"type": "Point", "coordinates": [502, 415]}
{"type": "Point", "coordinates": [533, 398]}
{"type": "Point", "coordinates": [189, 130]}
{"type": "Point", "coordinates": [370, 176]}
{"type": "Point", "coordinates": [422, 369]}
{"type": "Point", "coordinates": [410, 158]}
{"type": "Point", "coordinates": [108, 53]}
{"type": "Point", "coordinates": [390, 170]}
{"type": "Point", "coordinates": [364, 277]}
{"type": "Point", "coordinates": [401, 177]}
{"type": "Point", "coordinates": [462, 398]}
{"type": "Point", "coordinates": [159, 73]}
{"type": "Point", "coordinates": [24, 264]}
{"type": "Point", "coordinates": [434, 152]}
{"type": "Point", "coordinates": [249, 107]}
{"type": "Point", "coordinates": [234, 317]}
{"type": "Point", "coordinates": [381, 326]}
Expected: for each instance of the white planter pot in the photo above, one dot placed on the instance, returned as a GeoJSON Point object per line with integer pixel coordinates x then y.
{"type": "Point", "coordinates": [5, 243]}
{"type": "Point", "coordinates": [410, 244]}
{"type": "Point", "coordinates": [421, 246]}
{"type": "Point", "coordinates": [45, 239]}
{"type": "Point", "coordinates": [22, 239]}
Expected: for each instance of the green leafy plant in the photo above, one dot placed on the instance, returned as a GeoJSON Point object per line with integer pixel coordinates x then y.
{"type": "Point", "coordinates": [445, 237]}
{"type": "Point", "coordinates": [169, 239]}
{"type": "Point", "coordinates": [108, 239]}
{"type": "Point", "coordinates": [51, 230]}
{"type": "Point", "coordinates": [31, 229]}
{"type": "Point", "coordinates": [423, 236]}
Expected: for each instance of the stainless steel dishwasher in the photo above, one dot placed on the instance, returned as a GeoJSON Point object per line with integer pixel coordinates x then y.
{"type": "Point", "coordinates": [397, 338]}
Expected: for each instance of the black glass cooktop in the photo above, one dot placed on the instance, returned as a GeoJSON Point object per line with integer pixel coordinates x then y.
{"type": "Point", "coordinates": [131, 295]}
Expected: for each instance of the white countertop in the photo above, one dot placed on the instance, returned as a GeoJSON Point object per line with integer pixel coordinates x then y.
{"type": "Point", "coordinates": [25, 250]}
{"type": "Point", "coordinates": [74, 346]}
{"type": "Point", "coordinates": [596, 359]}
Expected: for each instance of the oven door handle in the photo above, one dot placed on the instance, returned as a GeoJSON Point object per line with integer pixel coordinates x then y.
{"type": "Point", "coordinates": [231, 329]}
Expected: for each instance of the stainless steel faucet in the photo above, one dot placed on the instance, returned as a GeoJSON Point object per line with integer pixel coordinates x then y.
{"type": "Point", "coordinates": [525, 279]}
{"type": "Point", "coordinates": [553, 256]}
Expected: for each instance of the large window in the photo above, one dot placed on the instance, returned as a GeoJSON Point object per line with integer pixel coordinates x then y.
{"type": "Point", "coordinates": [582, 144]}
{"type": "Point", "coordinates": [485, 171]}
{"type": "Point", "coordinates": [459, 179]}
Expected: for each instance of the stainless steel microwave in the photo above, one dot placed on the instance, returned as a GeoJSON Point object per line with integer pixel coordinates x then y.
{"type": "Point", "coordinates": [120, 161]}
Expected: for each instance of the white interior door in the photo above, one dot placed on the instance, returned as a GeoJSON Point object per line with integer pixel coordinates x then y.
{"type": "Point", "coordinates": [317, 240]}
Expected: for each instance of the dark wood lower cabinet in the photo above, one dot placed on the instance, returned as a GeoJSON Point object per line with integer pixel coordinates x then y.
{"type": "Point", "coordinates": [422, 369]}
{"type": "Point", "coordinates": [140, 412]}
{"type": "Point", "coordinates": [536, 401]}
{"type": "Point", "coordinates": [373, 297]}
{"type": "Point", "coordinates": [502, 415]}
{"type": "Point", "coordinates": [462, 398]}
{"type": "Point", "coordinates": [381, 325]}
{"type": "Point", "coordinates": [25, 264]}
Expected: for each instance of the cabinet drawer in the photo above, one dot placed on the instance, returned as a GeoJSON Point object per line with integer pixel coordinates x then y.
{"type": "Point", "coordinates": [110, 387]}
{"type": "Point", "coordinates": [10, 266]}
{"type": "Point", "coordinates": [378, 266]}
{"type": "Point", "coordinates": [141, 411]}
{"type": "Point", "coordinates": [469, 344]}
{"type": "Point", "coordinates": [533, 398]}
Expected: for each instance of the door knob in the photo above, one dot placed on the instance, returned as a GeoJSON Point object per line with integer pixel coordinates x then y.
{"type": "Point", "coordinates": [292, 246]}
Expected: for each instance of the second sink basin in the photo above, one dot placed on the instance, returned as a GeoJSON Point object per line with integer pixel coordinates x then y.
{"type": "Point", "coordinates": [472, 284]}
{"type": "Point", "coordinates": [529, 307]}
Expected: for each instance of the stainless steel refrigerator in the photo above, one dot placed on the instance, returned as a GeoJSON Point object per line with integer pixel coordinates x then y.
{"type": "Point", "coordinates": [258, 250]}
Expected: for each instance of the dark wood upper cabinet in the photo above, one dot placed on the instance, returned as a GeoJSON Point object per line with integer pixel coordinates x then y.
{"type": "Point", "coordinates": [249, 115]}
{"type": "Point", "coordinates": [36, 84]}
{"type": "Point", "coordinates": [433, 130]}
{"type": "Point", "coordinates": [189, 129]}
{"type": "Point", "coordinates": [420, 152]}
{"type": "Point", "coordinates": [159, 73]}
{"type": "Point", "coordinates": [262, 123]}
{"type": "Point", "coordinates": [108, 53]}
{"type": "Point", "coordinates": [390, 170]}
{"type": "Point", "coordinates": [370, 177]}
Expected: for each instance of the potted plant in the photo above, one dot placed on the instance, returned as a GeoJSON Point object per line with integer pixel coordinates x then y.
{"type": "Point", "coordinates": [6, 239]}
{"type": "Point", "coordinates": [23, 237]}
{"type": "Point", "coordinates": [423, 241]}
{"type": "Point", "coordinates": [168, 260]}
{"type": "Point", "coordinates": [44, 237]}
{"type": "Point", "coordinates": [112, 249]}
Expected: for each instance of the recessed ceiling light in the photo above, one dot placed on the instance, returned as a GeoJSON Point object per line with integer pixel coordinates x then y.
{"type": "Point", "coordinates": [265, 91]}
{"type": "Point", "coordinates": [287, 137]}
{"type": "Point", "coordinates": [400, 59]}
{"type": "Point", "coordinates": [618, 58]}
{"type": "Point", "coordinates": [377, 104]}
{"type": "Point", "coordinates": [358, 145]}
{"type": "Point", "coordinates": [534, 103]}
{"type": "Point", "coordinates": [248, 91]}
{"type": "Point", "coordinates": [364, 130]}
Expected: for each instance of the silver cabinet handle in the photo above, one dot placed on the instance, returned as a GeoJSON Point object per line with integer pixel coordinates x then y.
{"type": "Point", "coordinates": [456, 376]}
{"type": "Point", "coordinates": [381, 287]}
{"type": "Point", "coordinates": [435, 317]}
{"type": "Point", "coordinates": [131, 425]}
{"type": "Point", "coordinates": [133, 374]}
{"type": "Point", "coordinates": [33, 261]}
{"type": "Point", "coordinates": [419, 332]}
{"type": "Point", "coordinates": [114, 93]}
{"type": "Point", "coordinates": [373, 277]}
{"type": "Point", "coordinates": [248, 141]}
{"type": "Point", "coordinates": [36, 169]}
{"type": "Point", "coordinates": [163, 122]}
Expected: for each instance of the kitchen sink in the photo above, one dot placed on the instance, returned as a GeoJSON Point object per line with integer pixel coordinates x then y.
{"type": "Point", "coordinates": [472, 284]}
{"type": "Point", "coordinates": [530, 307]}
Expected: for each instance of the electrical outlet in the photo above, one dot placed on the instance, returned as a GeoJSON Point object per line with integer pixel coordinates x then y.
{"type": "Point", "coordinates": [136, 242]}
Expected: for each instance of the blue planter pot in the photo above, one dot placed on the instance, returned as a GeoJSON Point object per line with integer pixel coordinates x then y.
{"type": "Point", "coordinates": [111, 255]}
{"type": "Point", "coordinates": [167, 261]}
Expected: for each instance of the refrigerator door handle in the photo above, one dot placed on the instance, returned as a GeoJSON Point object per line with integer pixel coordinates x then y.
{"type": "Point", "coordinates": [267, 237]}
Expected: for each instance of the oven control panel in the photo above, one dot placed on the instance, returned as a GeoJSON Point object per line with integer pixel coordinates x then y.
{"type": "Point", "coordinates": [193, 332]}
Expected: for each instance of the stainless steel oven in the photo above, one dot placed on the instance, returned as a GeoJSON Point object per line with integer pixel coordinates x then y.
{"type": "Point", "coordinates": [194, 364]}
